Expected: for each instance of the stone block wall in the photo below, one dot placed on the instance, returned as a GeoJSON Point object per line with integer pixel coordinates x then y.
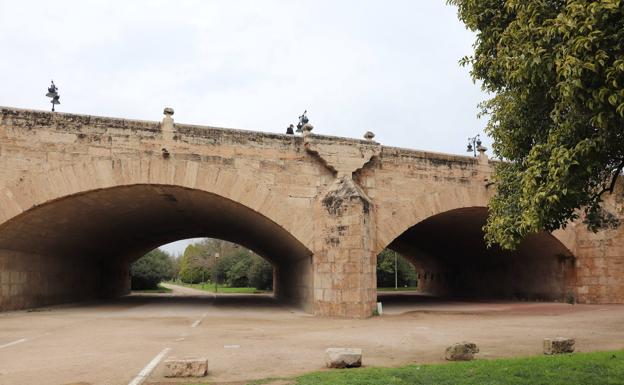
{"type": "Point", "coordinates": [30, 280]}
{"type": "Point", "coordinates": [599, 257]}
{"type": "Point", "coordinates": [293, 283]}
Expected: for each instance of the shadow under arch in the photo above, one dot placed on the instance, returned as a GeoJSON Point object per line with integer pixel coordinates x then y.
{"type": "Point", "coordinates": [452, 260]}
{"type": "Point", "coordinates": [80, 246]}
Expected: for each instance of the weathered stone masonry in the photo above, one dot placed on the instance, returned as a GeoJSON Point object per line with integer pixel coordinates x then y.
{"type": "Point", "coordinates": [82, 196]}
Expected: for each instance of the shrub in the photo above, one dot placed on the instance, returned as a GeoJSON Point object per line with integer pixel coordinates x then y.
{"type": "Point", "coordinates": [151, 269]}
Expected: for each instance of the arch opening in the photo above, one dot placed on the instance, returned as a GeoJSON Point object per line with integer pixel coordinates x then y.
{"type": "Point", "coordinates": [81, 246]}
{"type": "Point", "coordinates": [204, 263]}
{"type": "Point", "coordinates": [395, 272]}
{"type": "Point", "coordinates": [452, 260]}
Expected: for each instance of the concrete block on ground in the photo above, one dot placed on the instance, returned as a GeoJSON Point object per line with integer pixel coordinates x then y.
{"type": "Point", "coordinates": [558, 345]}
{"type": "Point", "coordinates": [187, 367]}
{"type": "Point", "coordinates": [463, 351]}
{"type": "Point", "coordinates": [343, 358]}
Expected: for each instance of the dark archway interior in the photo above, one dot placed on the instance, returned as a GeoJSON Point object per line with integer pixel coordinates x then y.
{"type": "Point", "coordinates": [452, 260]}
{"type": "Point", "coordinates": [82, 245]}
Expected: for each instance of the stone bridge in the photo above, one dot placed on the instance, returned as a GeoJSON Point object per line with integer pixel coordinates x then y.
{"type": "Point", "coordinates": [81, 197]}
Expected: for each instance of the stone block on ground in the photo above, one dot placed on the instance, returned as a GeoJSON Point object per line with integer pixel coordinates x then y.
{"type": "Point", "coordinates": [343, 358]}
{"type": "Point", "coordinates": [188, 367]}
{"type": "Point", "coordinates": [463, 351]}
{"type": "Point", "coordinates": [558, 345]}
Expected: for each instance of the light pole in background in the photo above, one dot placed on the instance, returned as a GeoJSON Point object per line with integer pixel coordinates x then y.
{"type": "Point", "coordinates": [396, 272]}
{"type": "Point", "coordinates": [215, 269]}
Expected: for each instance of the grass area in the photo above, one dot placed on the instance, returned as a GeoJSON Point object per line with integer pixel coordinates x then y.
{"type": "Point", "coordinates": [209, 287]}
{"type": "Point", "coordinates": [588, 369]}
{"type": "Point", "coordinates": [409, 288]}
{"type": "Point", "coordinates": [601, 368]}
{"type": "Point", "coordinates": [159, 289]}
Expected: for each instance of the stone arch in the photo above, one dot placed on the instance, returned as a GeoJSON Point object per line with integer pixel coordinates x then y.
{"type": "Point", "coordinates": [115, 191]}
{"type": "Point", "coordinates": [396, 218]}
{"type": "Point", "coordinates": [402, 221]}
{"type": "Point", "coordinates": [47, 187]}
{"type": "Point", "coordinates": [449, 251]}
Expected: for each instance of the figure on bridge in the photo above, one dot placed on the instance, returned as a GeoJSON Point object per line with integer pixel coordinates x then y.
{"type": "Point", "coordinates": [290, 130]}
{"type": "Point", "coordinates": [303, 120]}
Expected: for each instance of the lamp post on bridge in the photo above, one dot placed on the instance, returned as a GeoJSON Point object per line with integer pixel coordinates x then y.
{"type": "Point", "coordinates": [54, 95]}
{"type": "Point", "coordinates": [474, 145]}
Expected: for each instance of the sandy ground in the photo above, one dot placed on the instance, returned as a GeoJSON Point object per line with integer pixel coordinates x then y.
{"type": "Point", "coordinates": [251, 337]}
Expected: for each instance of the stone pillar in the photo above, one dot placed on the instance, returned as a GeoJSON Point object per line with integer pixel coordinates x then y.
{"type": "Point", "coordinates": [344, 262]}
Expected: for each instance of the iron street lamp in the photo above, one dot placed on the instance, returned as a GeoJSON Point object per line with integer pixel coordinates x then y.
{"type": "Point", "coordinates": [474, 144]}
{"type": "Point", "coordinates": [54, 95]}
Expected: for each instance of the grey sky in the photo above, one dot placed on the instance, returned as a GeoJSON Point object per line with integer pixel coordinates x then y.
{"type": "Point", "coordinates": [390, 67]}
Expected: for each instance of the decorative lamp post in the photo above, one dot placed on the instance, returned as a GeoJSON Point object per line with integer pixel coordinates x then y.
{"type": "Point", "coordinates": [54, 95]}
{"type": "Point", "coordinates": [474, 144]}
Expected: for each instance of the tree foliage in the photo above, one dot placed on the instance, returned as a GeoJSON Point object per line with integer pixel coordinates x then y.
{"type": "Point", "coordinates": [196, 264]}
{"type": "Point", "coordinates": [556, 68]}
{"type": "Point", "coordinates": [236, 266]}
{"type": "Point", "coordinates": [261, 274]}
{"type": "Point", "coordinates": [151, 269]}
{"type": "Point", "coordinates": [406, 274]}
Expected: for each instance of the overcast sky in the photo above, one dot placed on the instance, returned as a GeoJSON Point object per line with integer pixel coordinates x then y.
{"type": "Point", "coordinates": [390, 67]}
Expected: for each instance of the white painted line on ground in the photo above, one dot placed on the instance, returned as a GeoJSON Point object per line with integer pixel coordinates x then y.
{"type": "Point", "coordinates": [149, 367]}
{"type": "Point", "coordinates": [196, 323]}
{"type": "Point", "coordinates": [13, 343]}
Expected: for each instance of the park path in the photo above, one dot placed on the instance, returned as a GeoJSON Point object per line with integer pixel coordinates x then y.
{"type": "Point", "coordinates": [178, 290]}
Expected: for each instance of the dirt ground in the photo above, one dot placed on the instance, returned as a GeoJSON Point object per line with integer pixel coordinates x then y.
{"type": "Point", "coordinates": [251, 337]}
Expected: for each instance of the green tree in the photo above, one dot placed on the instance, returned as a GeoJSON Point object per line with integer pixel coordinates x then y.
{"type": "Point", "coordinates": [151, 269]}
{"type": "Point", "coordinates": [244, 268]}
{"type": "Point", "coordinates": [238, 272]}
{"type": "Point", "coordinates": [175, 266]}
{"type": "Point", "coordinates": [406, 273]}
{"type": "Point", "coordinates": [261, 274]}
{"type": "Point", "coordinates": [235, 267]}
{"type": "Point", "coordinates": [556, 68]}
{"type": "Point", "coordinates": [195, 264]}
{"type": "Point", "coordinates": [224, 264]}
